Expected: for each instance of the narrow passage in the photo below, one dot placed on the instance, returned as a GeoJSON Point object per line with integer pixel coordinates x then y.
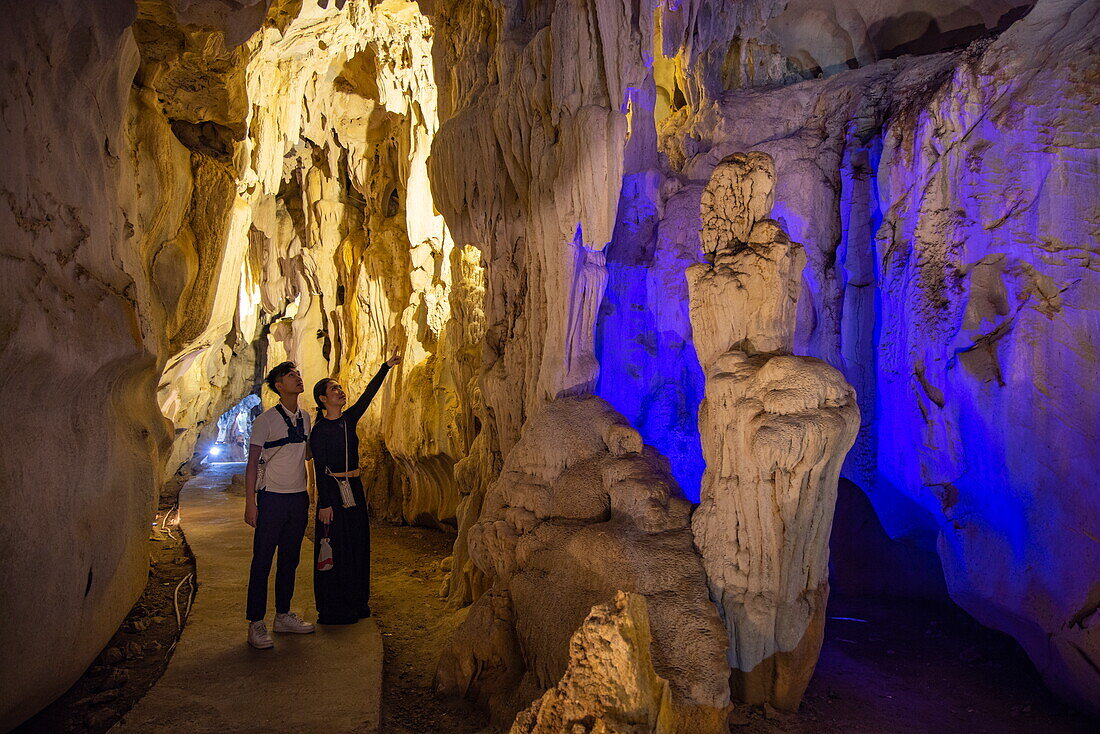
{"type": "Point", "coordinates": [215, 682]}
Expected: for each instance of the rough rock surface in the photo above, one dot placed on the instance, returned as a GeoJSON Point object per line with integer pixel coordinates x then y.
{"type": "Point", "coordinates": [79, 352]}
{"type": "Point", "coordinates": [332, 255]}
{"type": "Point", "coordinates": [196, 191]}
{"type": "Point", "coordinates": [950, 286]}
{"type": "Point", "coordinates": [200, 188]}
{"type": "Point", "coordinates": [609, 685]}
{"type": "Point", "coordinates": [775, 431]}
{"type": "Point", "coordinates": [582, 509]}
{"type": "Point", "coordinates": [990, 293]}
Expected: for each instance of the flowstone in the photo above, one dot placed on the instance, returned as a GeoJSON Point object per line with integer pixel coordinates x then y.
{"type": "Point", "coordinates": [581, 511]}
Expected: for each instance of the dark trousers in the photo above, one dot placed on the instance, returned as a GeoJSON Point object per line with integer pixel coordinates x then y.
{"type": "Point", "coordinates": [281, 524]}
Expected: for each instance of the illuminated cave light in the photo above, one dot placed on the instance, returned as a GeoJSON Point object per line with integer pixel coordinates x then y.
{"type": "Point", "coordinates": [651, 376]}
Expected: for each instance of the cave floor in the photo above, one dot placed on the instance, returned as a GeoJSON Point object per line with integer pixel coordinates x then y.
{"type": "Point", "coordinates": [215, 682]}
{"type": "Point", "coordinates": [887, 665]}
{"type": "Point", "coordinates": [910, 667]}
{"type": "Point", "coordinates": [416, 626]}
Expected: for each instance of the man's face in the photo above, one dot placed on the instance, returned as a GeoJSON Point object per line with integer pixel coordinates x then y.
{"type": "Point", "coordinates": [291, 383]}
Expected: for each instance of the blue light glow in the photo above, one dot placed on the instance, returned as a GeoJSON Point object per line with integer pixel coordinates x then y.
{"type": "Point", "coordinates": [648, 368]}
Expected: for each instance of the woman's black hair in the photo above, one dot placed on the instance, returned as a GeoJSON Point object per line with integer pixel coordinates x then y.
{"type": "Point", "coordinates": [277, 373]}
{"type": "Point", "coordinates": [319, 390]}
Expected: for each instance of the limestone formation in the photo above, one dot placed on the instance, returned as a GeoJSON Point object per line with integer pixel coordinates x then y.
{"type": "Point", "coordinates": [582, 509]}
{"type": "Point", "coordinates": [84, 438]}
{"type": "Point", "coordinates": [609, 685]}
{"type": "Point", "coordinates": [321, 122]}
{"type": "Point", "coordinates": [946, 291]}
{"type": "Point", "coordinates": [740, 193]}
{"type": "Point", "coordinates": [252, 188]}
{"type": "Point", "coordinates": [748, 295]}
{"type": "Point", "coordinates": [775, 430]}
{"type": "Point", "coordinates": [508, 194]}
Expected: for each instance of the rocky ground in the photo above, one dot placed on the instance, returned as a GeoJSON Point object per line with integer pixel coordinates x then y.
{"type": "Point", "coordinates": [908, 667]}
{"type": "Point", "coordinates": [893, 665]}
{"type": "Point", "coordinates": [415, 625]}
{"type": "Point", "coordinates": [139, 651]}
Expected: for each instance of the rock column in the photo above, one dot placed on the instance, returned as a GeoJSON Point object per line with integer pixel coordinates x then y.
{"type": "Point", "coordinates": [775, 429]}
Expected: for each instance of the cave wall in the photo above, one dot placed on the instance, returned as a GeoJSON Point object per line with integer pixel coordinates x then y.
{"type": "Point", "coordinates": [943, 281]}
{"type": "Point", "coordinates": [83, 345]}
{"type": "Point", "coordinates": [942, 291]}
{"type": "Point", "coordinates": [944, 202]}
{"type": "Point", "coordinates": [242, 184]}
{"type": "Point", "coordinates": [330, 252]}
{"type": "Point", "coordinates": [507, 194]}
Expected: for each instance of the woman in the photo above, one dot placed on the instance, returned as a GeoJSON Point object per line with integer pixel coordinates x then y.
{"type": "Point", "coordinates": [342, 591]}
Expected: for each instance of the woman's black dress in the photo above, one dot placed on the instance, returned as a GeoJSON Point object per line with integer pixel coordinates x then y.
{"type": "Point", "coordinates": [343, 591]}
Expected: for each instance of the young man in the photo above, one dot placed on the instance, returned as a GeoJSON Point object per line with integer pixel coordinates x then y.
{"type": "Point", "coordinates": [279, 507]}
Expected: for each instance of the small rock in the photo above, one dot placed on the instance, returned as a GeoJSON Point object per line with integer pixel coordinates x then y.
{"type": "Point", "coordinates": [447, 563]}
{"type": "Point", "coordinates": [133, 650]}
{"type": "Point", "coordinates": [97, 698]}
{"type": "Point", "coordinates": [739, 718]}
{"type": "Point", "coordinates": [112, 656]}
{"type": "Point", "coordinates": [116, 679]}
{"type": "Point", "coordinates": [98, 719]}
{"type": "Point", "coordinates": [156, 620]}
{"type": "Point", "coordinates": [140, 625]}
{"type": "Point", "coordinates": [772, 713]}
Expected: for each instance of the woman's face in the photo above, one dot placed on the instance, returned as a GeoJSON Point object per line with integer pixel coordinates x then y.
{"type": "Point", "coordinates": [334, 395]}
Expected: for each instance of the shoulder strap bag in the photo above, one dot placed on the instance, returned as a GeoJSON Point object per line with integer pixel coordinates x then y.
{"type": "Point", "coordinates": [294, 434]}
{"type": "Point", "coordinates": [346, 497]}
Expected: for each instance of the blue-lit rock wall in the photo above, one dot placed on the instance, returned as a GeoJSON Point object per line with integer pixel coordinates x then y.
{"type": "Point", "coordinates": [948, 208]}
{"type": "Point", "coordinates": [648, 368]}
{"type": "Point", "coordinates": [987, 389]}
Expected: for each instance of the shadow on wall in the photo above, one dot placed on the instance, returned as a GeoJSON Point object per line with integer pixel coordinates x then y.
{"type": "Point", "coordinates": [890, 44]}
{"type": "Point", "coordinates": [865, 561]}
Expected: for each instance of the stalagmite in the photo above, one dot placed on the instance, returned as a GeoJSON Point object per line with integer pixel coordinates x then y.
{"type": "Point", "coordinates": [581, 510]}
{"type": "Point", "coordinates": [775, 430]}
{"type": "Point", "coordinates": [609, 686]}
{"type": "Point", "coordinates": [507, 193]}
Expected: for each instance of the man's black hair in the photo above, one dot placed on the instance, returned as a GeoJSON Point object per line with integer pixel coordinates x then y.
{"type": "Point", "coordinates": [277, 373]}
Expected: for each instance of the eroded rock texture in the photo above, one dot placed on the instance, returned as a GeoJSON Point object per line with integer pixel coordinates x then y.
{"type": "Point", "coordinates": [231, 185]}
{"type": "Point", "coordinates": [508, 193]}
{"type": "Point", "coordinates": [775, 430]}
{"type": "Point", "coordinates": [609, 685]}
{"type": "Point", "coordinates": [328, 247]}
{"type": "Point", "coordinates": [938, 199]}
{"type": "Point", "coordinates": [536, 112]}
{"type": "Point", "coordinates": [582, 509]}
{"type": "Point", "coordinates": [79, 351]}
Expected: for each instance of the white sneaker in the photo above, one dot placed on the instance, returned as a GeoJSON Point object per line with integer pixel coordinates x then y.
{"type": "Point", "coordinates": [258, 636]}
{"type": "Point", "coordinates": [289, 622]}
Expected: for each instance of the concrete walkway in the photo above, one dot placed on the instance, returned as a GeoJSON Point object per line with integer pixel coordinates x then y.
{"type": "Point", "coordinates": [328, 681]}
